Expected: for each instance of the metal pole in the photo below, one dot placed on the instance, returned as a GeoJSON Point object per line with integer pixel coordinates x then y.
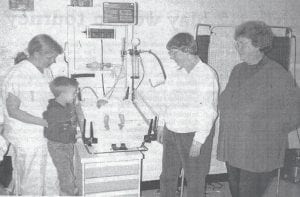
{"type": "Point", "coordinates": [182, 182]}
{"type": "Point", "coordinates": [278, 180]}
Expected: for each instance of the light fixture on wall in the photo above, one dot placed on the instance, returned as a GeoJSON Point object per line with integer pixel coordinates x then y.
{"type": "Point", "coordinates": [21, 5]}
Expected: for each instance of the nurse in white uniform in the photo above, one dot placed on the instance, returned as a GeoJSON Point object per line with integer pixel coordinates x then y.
{"type": "Point", "coordinates": [25, 94]}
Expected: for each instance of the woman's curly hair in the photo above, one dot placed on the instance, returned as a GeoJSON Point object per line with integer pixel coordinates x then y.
{"type": "Point", "coordinates": [258, 32]}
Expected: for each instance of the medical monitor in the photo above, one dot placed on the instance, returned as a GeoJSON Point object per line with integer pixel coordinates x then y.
{"type": "Point", "coordinates": [120, 13]}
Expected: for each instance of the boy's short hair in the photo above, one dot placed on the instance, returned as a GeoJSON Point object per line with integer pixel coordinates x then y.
{"type": "Point", "coordinates": [61, 84]}
{"type": "Point", "coordinates": [184, 42]}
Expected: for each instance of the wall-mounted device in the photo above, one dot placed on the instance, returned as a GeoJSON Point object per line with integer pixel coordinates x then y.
{"type": "Point", "coordinates": [120, 13]}
{"type": "Point", "coordinates": [136, 63]}
{"type": "Point", "coordinates": [100, 32]}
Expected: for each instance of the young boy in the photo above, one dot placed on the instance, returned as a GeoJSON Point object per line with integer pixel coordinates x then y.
{"type": "Point", "coordinates": [63, 116]}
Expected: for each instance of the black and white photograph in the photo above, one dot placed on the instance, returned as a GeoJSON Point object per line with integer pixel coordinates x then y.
{"type": "Point", "coordinates": [156, 98]}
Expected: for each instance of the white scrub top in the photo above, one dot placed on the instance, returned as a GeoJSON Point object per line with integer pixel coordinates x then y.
{"type": "Point", "coordinates": [3, 71]}
{"type": "Point", "coordinates": [31, 86]}
{"type": "Point", "coordinates": [1, 112]}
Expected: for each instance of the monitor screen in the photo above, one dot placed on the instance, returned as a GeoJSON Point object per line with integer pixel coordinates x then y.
{"type": "Point", "coordinates": [119, 13]}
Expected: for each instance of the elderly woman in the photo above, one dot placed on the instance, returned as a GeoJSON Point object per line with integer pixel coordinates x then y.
{"type": "Point", "coordinates": [25, 93]}
{"type": "Point", "coordinates": [258, 108]}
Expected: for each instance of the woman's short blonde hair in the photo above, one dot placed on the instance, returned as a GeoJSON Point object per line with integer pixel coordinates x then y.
{"type": "Point", "coordinates": [258, 32]}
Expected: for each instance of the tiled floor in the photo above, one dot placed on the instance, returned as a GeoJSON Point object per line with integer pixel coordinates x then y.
{"type": "Point", "coordinates": [286, 189]}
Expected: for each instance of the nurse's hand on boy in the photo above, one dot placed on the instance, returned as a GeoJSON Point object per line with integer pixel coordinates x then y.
{"type": "Point", "coordinates": [160, 132]}
{"type": "Point", "coordinates": [195, 149]}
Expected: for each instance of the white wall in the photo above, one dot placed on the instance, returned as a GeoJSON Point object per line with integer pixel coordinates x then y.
{"type": "Point", "coordinates": [158, 20]}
